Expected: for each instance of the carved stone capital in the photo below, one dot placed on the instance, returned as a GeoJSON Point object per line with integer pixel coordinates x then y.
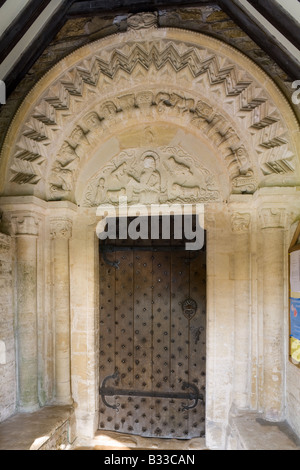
{"type": "Point", "coordinates": [61, 228]}
{"type": "Point", "coordinates": [5, 243]}
{"type": "Point", "coordinates": [23, 225]}
{"type": "Point", "coordinates": [273, 218]}
{"type": "Point", "coordinates": [240, 222]}
{"type": "Point", "coordinates": [245, 183]}
{"type": "Point", "coordinates": [209, 221]}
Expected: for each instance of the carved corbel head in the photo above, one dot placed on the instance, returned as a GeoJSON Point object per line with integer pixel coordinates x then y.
{"type": "Point", "coordinates": [242, 158]}
{"type": "Point", "coordinates": [144, 20]}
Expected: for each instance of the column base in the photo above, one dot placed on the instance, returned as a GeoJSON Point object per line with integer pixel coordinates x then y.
{"type": "Point", "coordinates": [273, 416]}
{"type": "Point", "coordinates": [29, 408]}
{"type": "Point", "coordinates": [62, 401]}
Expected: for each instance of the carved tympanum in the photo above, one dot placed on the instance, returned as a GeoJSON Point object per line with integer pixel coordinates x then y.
{"type": "Point", "coordinates": [152, 177]}
{"type": "Point", "coordinates": [217, 128]}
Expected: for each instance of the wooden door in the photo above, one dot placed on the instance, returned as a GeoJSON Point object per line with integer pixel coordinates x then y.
{"type": "Point", "coordinates": [152, 348]}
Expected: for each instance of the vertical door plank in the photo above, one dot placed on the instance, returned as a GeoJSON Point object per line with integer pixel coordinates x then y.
{"type": "Point", "coordinates": [197, 372]}
{"type": "Point", "coordinates": [124, 337]}
{"type": "Point", "coordinates": [161, 340]}
{"type": "Point", "coordinates": [107, 337]}
{"type": "Point", "coordinates": [143, 352]}
{"type": "Point", "coordinates": [179, 346]}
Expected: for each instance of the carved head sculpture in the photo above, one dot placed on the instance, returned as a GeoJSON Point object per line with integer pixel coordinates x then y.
{"type": "Point", "coordinates": [189, 308]}
{"type": "Point", "coordinates": [204, 110]}
{"type": "Point", "coordinates": [150, 163]}
{"type": "Point", "coordinates": [101, 183]}
{"type": "Point", "coordinates": [109, 110]}
{"type": "Point", "coordinates": [242, 158]}
{"type": "Point", "coordinates": [92, 120]}
{"type": "Point", "coordinates": [150, 160]}
{"type": "Point", "coordinates": [77, 134]}
{"type": "Point", "coordinates": [145, 98]}
{"type": "Point", "coordinates": [66, 155]}
{"type": "Point", "coordinates": [143, 20]}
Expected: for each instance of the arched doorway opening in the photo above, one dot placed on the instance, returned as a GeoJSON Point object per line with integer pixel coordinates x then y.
{"type": "Point", "coordinates": [153, 330]}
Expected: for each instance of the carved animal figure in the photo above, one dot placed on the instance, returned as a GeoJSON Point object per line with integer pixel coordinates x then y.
{"type": "Point", "coordinates": [178, 168]}
{"type": "Point", "coordinates": [61, 180]}
{"type": "Point", "coordinates": [181, 103]}
{"type": "Point", "coordinates": [113, 195]}
{"type": "Point", "coordinates": [185, 192]}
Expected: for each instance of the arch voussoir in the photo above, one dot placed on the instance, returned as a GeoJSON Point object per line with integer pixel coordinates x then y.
{"type": "Point", "coordinates": [170, 75]}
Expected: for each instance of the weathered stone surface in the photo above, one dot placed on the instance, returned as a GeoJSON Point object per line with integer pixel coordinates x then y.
{"type": "Point", "coordinates": [107, 440]}
{"type": "Point", "coordinates": [8, 361]}
{"type": "Point", "coordinates": [249, 431]}
{"type": "Point", "coordinates": [152, 125]}
{"type": "Point", "coordinates": [78, 32]}
{"type": "Point", "coordinates": [51, 428]}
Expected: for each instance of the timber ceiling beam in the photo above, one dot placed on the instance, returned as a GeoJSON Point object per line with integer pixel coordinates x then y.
{"type": "Point", "coordinates": [90, 8]}
{"type": "Point", "coordinates": [20, 26]}
{"type": "Point", "coordinates": [267, 42]}
{"type": "Point", "coordinates": [39, 44]}
{"type": "Point", "coordinates": [72, 9]}
{"type": "Point", "coordinates": [279, 18]}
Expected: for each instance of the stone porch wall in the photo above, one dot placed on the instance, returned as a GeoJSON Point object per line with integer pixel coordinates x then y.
{"type": "Point", "coordinates": [293, 397]}
{"type": "Point", "coordinates": [293, 377]}
{"type": "Point", "coordinates": [239, 372]}
{"type": "Point", "coordinates": [7, 341]}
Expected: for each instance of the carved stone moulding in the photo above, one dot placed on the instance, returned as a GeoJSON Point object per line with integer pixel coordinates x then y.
{"type": "Point", "coordinates": [141, 21]}
{"type": "Point", "coordinates": [25, 225]}
{"type": "Point", "coordinates": [273, 217]}
{"type": "Point", "coordinates": [193, 60]}
{"type": "Point", "coordinates": [162, 106]}
{"type": "Point", "coordinates": [240, 222]}
{"type": "Point", "coordinates": [60, 228]}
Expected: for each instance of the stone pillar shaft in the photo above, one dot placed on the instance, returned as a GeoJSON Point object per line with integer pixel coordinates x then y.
{"type": "Point", "coordinates": [240, 227]}
{"type": "Point", "coordinates": [273, 308]}
{"type": "Point", "coordinates": [26, 255]}
{"type": "Point", "coordinates": [61, 232]}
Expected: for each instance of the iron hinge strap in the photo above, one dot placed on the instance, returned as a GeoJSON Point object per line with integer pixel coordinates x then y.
{"type": "Point", "coordinates": [193, 394]}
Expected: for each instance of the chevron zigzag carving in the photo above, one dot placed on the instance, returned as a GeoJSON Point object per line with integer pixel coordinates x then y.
{"type": "Point", "coordinates": [224, 80]}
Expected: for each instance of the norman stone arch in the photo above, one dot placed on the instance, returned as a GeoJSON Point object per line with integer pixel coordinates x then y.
{"type": "Point", "coordinates": [217, 131]}
{"type": "Point", "coordinates": [170, 76]}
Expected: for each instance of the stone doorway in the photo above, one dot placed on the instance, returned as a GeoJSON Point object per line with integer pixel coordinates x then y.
{"type": "Point", "coordinates": [152, 338]}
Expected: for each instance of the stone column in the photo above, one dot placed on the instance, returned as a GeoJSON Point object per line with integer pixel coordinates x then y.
{"type": "Point", "coordinates": [25, 230]}
{"type": "Point", "coordinates": [241, 229]}
{"type": "Point", "coordinates": [273, 222]}
{"type": "Point", "coordinates": [61, 232]}
{"type": "Point", "coordinates": [220, 325]}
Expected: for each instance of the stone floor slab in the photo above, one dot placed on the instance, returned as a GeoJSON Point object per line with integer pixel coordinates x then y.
{"type": "Point", "coordinates": [32, 431]}
{"type": "Point", "coordinates": [107, 440]}
{"type": "Point", "coordinates": [249, 431]}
